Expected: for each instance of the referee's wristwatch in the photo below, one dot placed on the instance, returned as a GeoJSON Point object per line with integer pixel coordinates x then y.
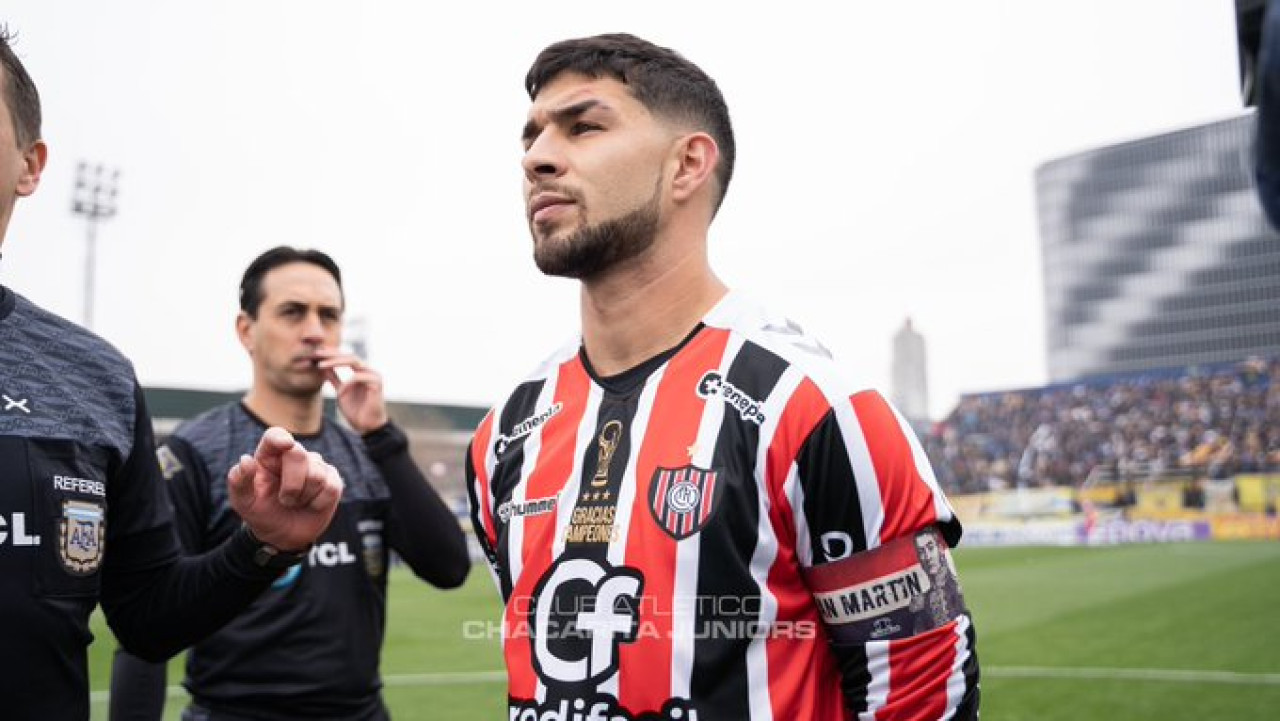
{"type": "Point", "coordinates": [266, 555]}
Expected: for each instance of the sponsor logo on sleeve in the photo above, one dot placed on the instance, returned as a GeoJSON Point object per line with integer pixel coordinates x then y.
{"type": "Point", "coordinates": [714, 385]}
{"type": "Point", "coordinates": [525, 427]}
{"type": "Point", "coordinates": [836, 545]}
{"type": "Point", "coordinates": [523, 509]}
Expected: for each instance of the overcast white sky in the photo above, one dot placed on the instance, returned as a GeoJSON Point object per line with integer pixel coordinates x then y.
{"type": "Point", "coordinates": [886, 160]}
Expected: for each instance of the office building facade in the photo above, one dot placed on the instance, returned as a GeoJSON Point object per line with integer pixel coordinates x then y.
{"type": "Point", "coordinates": [1156, 255]}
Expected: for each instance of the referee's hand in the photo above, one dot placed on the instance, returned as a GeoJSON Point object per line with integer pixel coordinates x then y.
{"type": "Point", "coordinates": [286, 495]}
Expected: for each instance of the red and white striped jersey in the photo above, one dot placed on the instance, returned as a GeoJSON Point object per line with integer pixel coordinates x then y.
{"type": "Point", "coordinates": [654, 545]}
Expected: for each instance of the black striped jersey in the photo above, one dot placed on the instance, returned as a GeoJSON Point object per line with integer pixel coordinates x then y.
{"type": "Point", "coordinates": [309, 646]}
{"type": "Point", "coordinates": [732, 537]}
{"type": "Point", "coordinates": [76, 475]}
{"type": "Point", "coordinates": [84, 518]}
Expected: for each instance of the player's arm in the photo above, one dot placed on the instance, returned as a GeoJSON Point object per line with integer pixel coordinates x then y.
{"type": "Point", "coordinates": [420, 526]}
{"type": "Point", "coordinates": [878, 531]}
{"type": "Point", "coordinates": [1267, 143]}
{"type": "Point", "coordinates": [186, 476]}
{"type": "Point", "coordinates": [478, 474]}
{"type": "Point", "coordinates": [138, 686]}
{"type": "Point", "coordinates": [156, 601]}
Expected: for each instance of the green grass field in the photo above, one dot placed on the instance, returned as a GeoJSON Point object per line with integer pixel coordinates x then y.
{"type": "Point", "coordinates": [1159, 632]}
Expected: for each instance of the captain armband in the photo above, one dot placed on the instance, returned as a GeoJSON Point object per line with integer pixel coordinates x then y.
{"type": "Point", "coordinates": [901, 589]}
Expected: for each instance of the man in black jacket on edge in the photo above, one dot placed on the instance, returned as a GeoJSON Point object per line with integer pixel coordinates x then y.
{"type": "Point", "coordinates": [84, 516]}
{"type": "Point", "coordinates": [330, 610]}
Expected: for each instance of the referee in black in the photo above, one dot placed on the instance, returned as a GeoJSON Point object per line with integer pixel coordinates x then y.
{"type": "Point", "coordinates": [84, 517]}
{"type": "Point", "coordinates": [309, 646]}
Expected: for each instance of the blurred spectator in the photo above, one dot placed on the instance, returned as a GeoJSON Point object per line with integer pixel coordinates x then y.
{"type": "Point", "coordinates": [1193, 494]}
{"type": "Point", "coordinates": [1213, 422]}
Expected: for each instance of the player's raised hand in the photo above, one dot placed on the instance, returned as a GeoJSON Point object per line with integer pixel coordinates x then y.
{"type": "Point", "coordinates": [286, 495]}
{"type": "Point", "coordinates": [360, 396]}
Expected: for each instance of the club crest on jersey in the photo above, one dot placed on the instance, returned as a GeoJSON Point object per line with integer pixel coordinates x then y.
{"type": "Point", "coordinates": [82, 533]}
{"type": "Point", "coordinates": [682, 499]}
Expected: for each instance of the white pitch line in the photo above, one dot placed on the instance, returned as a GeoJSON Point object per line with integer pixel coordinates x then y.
{"type": "Point", "coordinates": [1053, 672]}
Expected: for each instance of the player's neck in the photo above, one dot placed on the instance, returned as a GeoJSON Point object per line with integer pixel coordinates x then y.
{"type": "Point", "coordinates": [297, 414]}
{"type": "Point", "coordinates": [640, 311]}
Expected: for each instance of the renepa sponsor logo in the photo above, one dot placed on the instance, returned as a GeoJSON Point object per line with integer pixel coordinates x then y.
{"type": "Point", "coordinates": [714, 385]}
{"type": "Point", "coordinates": [525, 427]}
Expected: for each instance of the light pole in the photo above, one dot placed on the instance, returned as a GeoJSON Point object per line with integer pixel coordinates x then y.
{"type": "Point", "coordinates": [94, 197]}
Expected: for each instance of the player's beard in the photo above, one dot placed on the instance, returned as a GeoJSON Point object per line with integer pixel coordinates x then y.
{"type": "Point", "coordinates": [595, 249]}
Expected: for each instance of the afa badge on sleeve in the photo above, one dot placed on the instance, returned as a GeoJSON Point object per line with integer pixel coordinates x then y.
{"type": "Point", "coordinates": [82, 533]}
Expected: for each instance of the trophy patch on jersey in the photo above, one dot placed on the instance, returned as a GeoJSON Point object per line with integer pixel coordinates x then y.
{"type": "Point", "coordinates": [682, 499]}
{"type": "Point", "coordinates": [82, 533]}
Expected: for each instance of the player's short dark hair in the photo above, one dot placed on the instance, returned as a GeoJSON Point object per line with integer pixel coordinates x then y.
{"type": "Point", "coordinates": [251, 283]}
{"type": "Point", "coordinates": [660, 78]}
{"type": "Point", "coordinates": [20, 94]}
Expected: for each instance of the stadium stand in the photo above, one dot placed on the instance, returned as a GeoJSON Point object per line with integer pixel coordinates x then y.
{"type": "Point", "coordinates": [1200, 423]}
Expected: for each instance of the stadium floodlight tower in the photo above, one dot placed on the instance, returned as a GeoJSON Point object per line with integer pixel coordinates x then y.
{"type": "Point", "coordinates": [94, 197]}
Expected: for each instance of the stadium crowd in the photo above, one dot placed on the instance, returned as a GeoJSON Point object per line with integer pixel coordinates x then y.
{"type": "Point", "coordinates": [1208, 422]}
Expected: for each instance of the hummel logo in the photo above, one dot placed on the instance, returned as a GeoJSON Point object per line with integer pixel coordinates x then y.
{"type": "Point", "coordinates": [802, 342]}
{"type": "Point", "coordinates": [10, 404]}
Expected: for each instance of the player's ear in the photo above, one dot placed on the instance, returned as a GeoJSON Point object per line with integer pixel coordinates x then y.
{"type": "Point", "coordinates": [244, 326]}
{"type": "Point", "coordinates": [696, 157]}
{"type": "Point", "coordinates": [33, 160]}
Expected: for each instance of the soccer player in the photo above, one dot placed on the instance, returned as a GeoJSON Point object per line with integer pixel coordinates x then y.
{"type": "Point", "coordinates": [689, 513]}
{"type": "Point", "coordinates": [83, 512]}
{"type": "Point", "coordinates": [308, 647]}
